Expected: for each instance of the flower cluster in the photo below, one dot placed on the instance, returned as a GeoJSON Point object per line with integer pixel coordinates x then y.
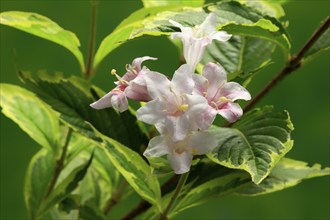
{"type": "Point", "coordinates": [183, 108]}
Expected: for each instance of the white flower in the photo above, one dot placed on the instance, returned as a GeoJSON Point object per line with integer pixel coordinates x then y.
{"type": "Point", "coordinates": [196, 39]}
{"type": "Point", "coordinates": [180, 153]}
{"type": "Point", "coordinates": [173, 107]}
{"type": "Point", "coordinates": [220, 94]}
{"type": "Point", "coordinates": [131, 85]}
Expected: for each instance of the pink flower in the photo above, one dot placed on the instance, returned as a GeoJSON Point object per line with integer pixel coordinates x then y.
{"type": "Point", "coordinates": [196, 39]}
{"type": "Point", "coordinates": [220, 94]}
{"type": "Point", "coordinates": [131, 85]}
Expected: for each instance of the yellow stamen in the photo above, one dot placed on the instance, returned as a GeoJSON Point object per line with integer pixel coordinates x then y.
{"type": "Point", "coordinates": [184, 107]}
{"type": "Point", "coordinates": [114, 72]}
{"type": "Point", "coordinates": [225, 99]}
{"type": "Point", "coordinates": [127, 67]}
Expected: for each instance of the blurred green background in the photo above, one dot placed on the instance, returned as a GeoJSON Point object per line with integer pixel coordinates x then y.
{"type": "Point", "coordinates": [305, 94]}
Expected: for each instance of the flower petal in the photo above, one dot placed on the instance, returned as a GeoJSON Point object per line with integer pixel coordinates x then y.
{"type": "Point", "coordinates": [138, 61]}
{"type": "Point", "coordinates": [182, 80]}
{"type": "Point", "coordinates": [177, 127]}
{"type": "Point", "coordinates": [119, 102]}
{"type": "Point", "coordinates": [216, 76]}
{"type": "Point", "coordinates": [157, 84]}
{"type": "Point", "coordinates": [115, 98]}
{"type": "Point", "coordinates": [180, 163]}
{"type": "Point", "coordinates": [104, 102]}
{"type": "Point", "coordinates": [157, 147]}
{"type": "Point", "coordinates": [152, 112]}
{"type": "Point", "coordinates": [137, 92]}
{"type": "Point", "coordinates": [196, 105]}
{"type": "Point", "coordinates": [221, 36]}
{"type": "Point", "coordinates": [201, 142]}
{"type": "Point", "coordinates": [205, 120]}
{"type": "Point", "coordinates": [231, 112]}
{"type": "Point", "coordinates": [193, 50]}
{"type": "Point", "coordinates": [201, 85]}
{"type": "Point", "coordinates": [209, 24]}
{"type": "Point", "coordinates": [234, 91]}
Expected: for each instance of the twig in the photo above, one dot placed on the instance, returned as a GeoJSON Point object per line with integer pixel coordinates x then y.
{"type": "Point", "coordinates": [144, 205]}
{"type": "Point", "coordinates": [89, 67]}
{"type": "Point", "coordinates": [115, 198]}
{"type": "Point", "coordinates": [141, 207]}
{"type": "Point", "coordinates": [59, 164]}
{"type": "Point", "coordinates": [291, 66]}
{"type": "Point", "coordinates": [313, 39]}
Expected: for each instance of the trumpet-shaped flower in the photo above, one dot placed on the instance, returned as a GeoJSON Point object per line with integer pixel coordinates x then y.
{"type": "Point", "coordinates": [180, 153]}
{"type": "Point", "coordinates": [196, 39]}
{"type": "Point", "coordinates": [131, 85]}
{"type": "Point", "coordinates": [173, 108]}
{"type": "Point", "coordinates": [220, 94]}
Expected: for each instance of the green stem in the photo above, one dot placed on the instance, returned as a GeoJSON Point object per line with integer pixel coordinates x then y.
{"type": "Point", "coordinates": [59, 164]}
{"type": "Point", "coordinates": [179, 187]}
{"type": "Point", "coordinates": [89, 67]}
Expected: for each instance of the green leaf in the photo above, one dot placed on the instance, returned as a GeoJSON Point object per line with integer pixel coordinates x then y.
{"type": "Point", "coordinates": [134, 169]}
{"type": "Point", "coordinates": [78, 144]}
{"type": "Point", "coordinates": [102, 164]}
{"type": "Point", "coordinates": [321, 45]}
{"type": "Point", "coordinates": [160, 166]}
{"type": "Point", "coordinates": [31, 114]}
{"type": "Point", "coordinates": [266, 7]}
{"type": "Point", "coordinates": [140, 15]}
{"type": "Point", "coordinates": [255, 144]}
{"type": "Point", "coordinates": [101, 181]}
{"type": "Point", "coordinates": [66, 186]}
{"type": "Point", "coordinates": [233, 17]}
{"type": "Point", "coordinates": [71, 98]}
{"type": "Point", "coordinates": [90, 211]}
{"type": "Point", "coordinates": [43, 27]}
{"type": "Point", "coordinates": [69, 203]}
{"type": "Point", "coordinates": [56, 213]}
{"type": "Point", "coordinates": [124, 30]}
{"type": "Point", "coordinates": [240, 20]}
{"type": "Point", "coordinates": [240, 56]}
{"type": "Point", "coordinates": [212, 189]}
{"type": "Point", "coordinates": [286, 173]}
{"type": "Point", "coordinates": [38, 177]}
{"type": "Point", "coordinates": [208, 180]}
{"type": "Point", "coordinates": [157, 3]}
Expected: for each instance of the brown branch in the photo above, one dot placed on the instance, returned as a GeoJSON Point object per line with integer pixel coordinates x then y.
{"type": "Point", "coordinates": [115, 198]}
{"type": "Point", "coordinates": [144, 205]}
{"type": "Point", "coordinates": [141, 207]}
{"type": "Point", "coordinates": [313, 39]}
{"type": "Point", "coordinates": [291, 66]}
